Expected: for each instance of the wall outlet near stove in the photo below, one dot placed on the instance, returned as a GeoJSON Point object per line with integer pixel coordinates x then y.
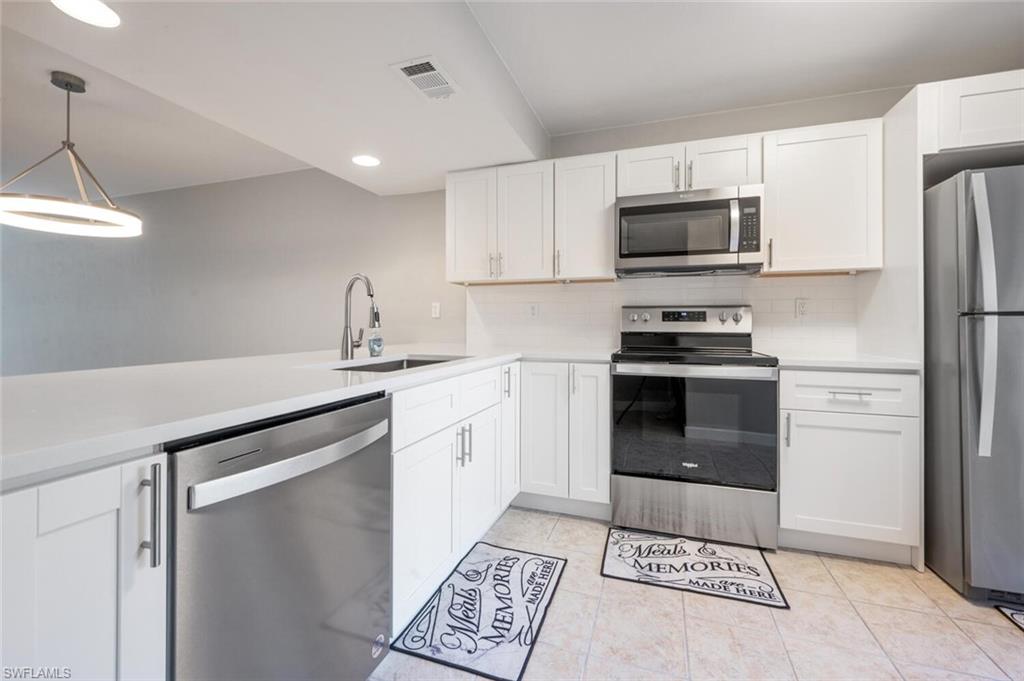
{"type": "Point", "coordinates": [435, 310]}
{"type": "Point", "coordinates": [532, 310]}
{"type": "Point", "coordinates": [799, 307]}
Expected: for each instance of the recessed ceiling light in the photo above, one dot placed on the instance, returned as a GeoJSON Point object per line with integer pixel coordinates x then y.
{"type": "Point", "coordinates": [366, 161]}
{"type": "Point", "coordinates": [93, 12]}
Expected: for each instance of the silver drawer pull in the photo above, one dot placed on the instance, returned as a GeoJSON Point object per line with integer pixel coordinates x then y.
{"type": "Point", "coordinates": [856, 393]}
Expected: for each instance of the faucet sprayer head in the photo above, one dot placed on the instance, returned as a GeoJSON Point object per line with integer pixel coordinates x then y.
{"type": "Point", "coordinates": [374, 314]}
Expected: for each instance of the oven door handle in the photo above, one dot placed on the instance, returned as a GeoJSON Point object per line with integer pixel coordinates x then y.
{"type": "Point", "coordinates": [742, 373]}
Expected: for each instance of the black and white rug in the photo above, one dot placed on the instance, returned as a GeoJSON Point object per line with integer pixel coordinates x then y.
{"type": "Point", "coordinates": [691, 565]}
{"type": "Point", "coordinates": [1016, 615]}
{"type": "Point", "coordinates": [485, 617]}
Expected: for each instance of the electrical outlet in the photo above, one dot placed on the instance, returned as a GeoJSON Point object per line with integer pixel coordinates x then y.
{"type": "Point", "coordinates": [435, 310]}
{"type": "Point", "coordinates": [532, 310]}
{"type": "Point", "coordinates": [800, 307]}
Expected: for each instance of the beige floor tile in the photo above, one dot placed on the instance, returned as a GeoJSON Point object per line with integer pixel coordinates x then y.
{"type": "Point", "coordinates": [401, 667]}
{"type": "Point", "coordinates": [648, 596]}
{"type": "Point", "coordinates": [569, 621]}
{"type": "Point", "coordinates": [728, 611]}
{"type": "Point", "coordinates": [814, 660]}
{"type": "Point", "coordinates": [548, 663]}
{"type": "Point", "coordinates": [610, 669]}
{"type": "Point", "coordinates": [1005, 645]}
{"type": "Point", "coordinates": [647, 632]}
{"type": "Point", "coordinates": [955, 605]}
{"type": "Point", "coordinates": [802, 571]}
{"type": "Point", "coordinates": [517, 524]}
{"type": "Point", "coordinates": [920, 672]}
{"type": "Point", "coordinates": [825, 620]}
{"type": "Point", "coordinates": [582, 572]}
{"type": "Point", "coordinates": [927, 639]}
{"type": "Point", "coordinates": [579, 534]}
{"type": "Point", "coordinates": [720, 651]}
{"type": "Point", "coordinates": [878, 583]}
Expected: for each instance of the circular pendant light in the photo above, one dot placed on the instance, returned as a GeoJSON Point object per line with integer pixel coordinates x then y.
{"type": "Point", "coordinates": [61, 215]}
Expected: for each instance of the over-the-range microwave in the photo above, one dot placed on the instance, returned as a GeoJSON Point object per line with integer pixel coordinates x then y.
{"type": "Point", "coordinates": [704, 231]}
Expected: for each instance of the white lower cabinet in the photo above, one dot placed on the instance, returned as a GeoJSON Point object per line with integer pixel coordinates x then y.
{"type": "Point", "coordinates": [79, 593]}
{"type": "Point", "coordinates": [845, 474]}
{"type": "Point", "coordinates": [510, 423]}
{"type": "Point", "coordinates": [566, 430]}
{"type": "Point", "coordinates": [478, 476]}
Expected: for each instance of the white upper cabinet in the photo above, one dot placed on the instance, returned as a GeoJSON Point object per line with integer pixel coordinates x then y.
{"type": "Point", "coordinates": [823, 197]}
{"type": "Point", "coordinates": [981, 110]}
{"type": "Point", "coordinates": [526, 212]}
{"type": "Point", "coordinates": [651, 170]}
{"type": "Point", "coordinates": [723, 162]}
{"type": "Point", "coordinates": [585, 217]}
{"type": "Point", "coordinates": [471, 225]}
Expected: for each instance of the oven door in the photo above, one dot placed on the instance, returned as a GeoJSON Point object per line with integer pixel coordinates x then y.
{"type": "Point", "coordinates": [694, 229]}
{"type": "Point", "coordinates": [712, 425]}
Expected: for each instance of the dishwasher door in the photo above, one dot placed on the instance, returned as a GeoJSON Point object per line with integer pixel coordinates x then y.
{"type": "Point", "coordinates": [282, 549]}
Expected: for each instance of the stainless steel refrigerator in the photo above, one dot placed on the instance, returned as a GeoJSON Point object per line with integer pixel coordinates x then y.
{"type": "Point", "coordinates": [974, 381]}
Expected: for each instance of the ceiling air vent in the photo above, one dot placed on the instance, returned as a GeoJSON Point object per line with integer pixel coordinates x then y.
{"type": "Point", "coordinates": [427, 77]}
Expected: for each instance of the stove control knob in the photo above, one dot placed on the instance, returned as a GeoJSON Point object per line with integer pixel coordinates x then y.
{"type": "Point", "coordinates": [645, 317]}
{"type": "Point", "coordinates": [723, 317]}
{"type": "Point", "coordinates": [633, 317]}
{"type": "Point", "coordinates": [737, 317]}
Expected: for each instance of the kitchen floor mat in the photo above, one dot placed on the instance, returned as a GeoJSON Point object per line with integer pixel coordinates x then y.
{"type": "Point", "coordinates": [1016, 615]}
{"type": "Point", "coordinates": [485, 617]}
{"type": "Point", "coordinates": [725, 570]}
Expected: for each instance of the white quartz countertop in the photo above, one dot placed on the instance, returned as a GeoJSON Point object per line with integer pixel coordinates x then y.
{"type": "Point", "coordinates": [858, 362]}
{"type": "Point", "coordinates": [62, 423]}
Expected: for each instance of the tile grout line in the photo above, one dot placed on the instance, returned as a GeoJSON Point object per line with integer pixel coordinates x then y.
{"type": "Point", "coordinates": [686, 640]}
{"type": "Point", "coordinates": [978, 646]}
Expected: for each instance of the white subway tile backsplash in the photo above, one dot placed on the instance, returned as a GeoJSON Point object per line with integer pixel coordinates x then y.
{"type": "Point", "coordinates": [586, 315]}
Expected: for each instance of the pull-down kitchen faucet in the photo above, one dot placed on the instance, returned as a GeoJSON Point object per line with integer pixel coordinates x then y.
{"type": "Point", "coordinates": [348, 345]}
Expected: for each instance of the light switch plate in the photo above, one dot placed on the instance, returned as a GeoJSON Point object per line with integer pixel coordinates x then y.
{"type": "Point", "coordinates": [435, 310]}
{"type": "Point", "coordinates": [800, 307]}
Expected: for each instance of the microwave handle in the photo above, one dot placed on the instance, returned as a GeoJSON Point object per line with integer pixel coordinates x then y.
{"type": "Point", "coordinates": [734, 226]}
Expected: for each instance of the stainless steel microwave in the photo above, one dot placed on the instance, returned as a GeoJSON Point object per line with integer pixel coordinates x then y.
{"type": "Point", "coordinates": [694, 232]}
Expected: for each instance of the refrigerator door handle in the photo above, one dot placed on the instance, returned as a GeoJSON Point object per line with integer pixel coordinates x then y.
{"type": "Point", "coordinates": [986, 244]}
{"type": "Point", "coordinates": [989, 374]}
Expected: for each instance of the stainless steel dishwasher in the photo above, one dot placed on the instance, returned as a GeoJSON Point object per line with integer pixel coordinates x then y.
{"type": "Point", "coordinates": [281, 546]}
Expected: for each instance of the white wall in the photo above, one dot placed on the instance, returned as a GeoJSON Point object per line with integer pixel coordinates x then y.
{"type": "Point", "coordinates": [248, 267]}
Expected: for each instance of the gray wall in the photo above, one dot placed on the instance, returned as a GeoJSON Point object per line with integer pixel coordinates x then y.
{"type": "Point", "coordinates": [847, 107]}
{"type": "Point", "coordinates": [248, 267]}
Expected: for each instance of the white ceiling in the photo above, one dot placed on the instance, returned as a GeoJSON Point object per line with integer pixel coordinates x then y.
{"type": "Point", "coordinates": [132, 140]}
{"type": "Point", "coordinates": [313, 80]}
{"type": "Point", "coordinates": [585, 66]}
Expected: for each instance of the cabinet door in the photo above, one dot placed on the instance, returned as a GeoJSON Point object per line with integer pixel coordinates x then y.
{"type": "Point", "coordinates": [723, 162]}
{"type": "Point", "coordinates": [509, 434]}
{"type": "Point", "coordinates": [589, 432]}
{"type": "Point", "coordinates": [143, 584]}
{"type": "Point", "coordinates": [585, 217]}
{"type": "Point", "coordinates": [982, 110]}
{"type": "Point", "coordinates": [526, 221]}
{"type": "Point", "coordinates": [60, 575]}
{"type": "Point", "coordinates": [425, 543]}
{"type": "Point", "coordinates": [823, 197]}
{"type": "Point", "coordinates": [479, 473]}
{"type": "Point", "coordinates": [471, 225]}
{"type": "Point", "coordinates": [650, 170]}
{"type": "Point", "coordinates": [851, 475]}
{"type": "Point", "coordinates": [545, 428]}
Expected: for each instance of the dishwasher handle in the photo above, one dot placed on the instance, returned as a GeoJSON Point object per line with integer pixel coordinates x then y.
{"type": "Point", "coordinates": [215, 491]}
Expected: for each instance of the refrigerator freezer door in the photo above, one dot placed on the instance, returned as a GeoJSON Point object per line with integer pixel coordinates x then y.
{"type": "Point", "coordinates": [992, 240]}
{"type": "Point", "coordinates": [992, 373]}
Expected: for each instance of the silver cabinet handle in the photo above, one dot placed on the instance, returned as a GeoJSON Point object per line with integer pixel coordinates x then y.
{"type": "Point", "coordinates": [770, 253]}
{"type": "Point", "coordinates": [508, 381]}
{"type": "Point", "coordinates": [856, 393]}
{"type": "Point", "coordinates": [675, 175]}
{"type": "Point", "coordinates": [501, 264]}
{"type": "Point", "coordinates": [572, 377]}
{"type": "Point", "coordinates": [689, 175]}
{"type": "Point", "coordinates": [231, 486]}
{"type": "Point", "coordinates": [789, 423]}
{"type": "Point", "coordinates": [460, 437]}
{"type": "Point", "coordinates": [469, 438]}
{"type": "Point", "coordinates": [558, 262]}
{"type": "Point", "coordinates": [155, 486]}
{"type": "Point", "coordinates": [490, 265]}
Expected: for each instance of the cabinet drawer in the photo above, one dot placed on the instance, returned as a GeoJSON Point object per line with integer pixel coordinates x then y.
{"type": "Point", "coordinates": [850, 392]}
{"type": "Point", "coordinates": [418, 412]}
{"type": "Point", "coordinates": [479, 390]}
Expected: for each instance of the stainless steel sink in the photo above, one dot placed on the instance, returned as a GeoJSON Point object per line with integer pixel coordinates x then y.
{"type": "Point", "coordinates": [397, 364]}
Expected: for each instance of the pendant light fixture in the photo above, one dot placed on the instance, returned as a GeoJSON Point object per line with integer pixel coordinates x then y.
{"type": "Point", "coordinates": [62, 215]}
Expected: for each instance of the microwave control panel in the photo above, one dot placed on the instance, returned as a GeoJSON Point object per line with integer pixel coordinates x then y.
{"type": "Point", "coordinates": [750, 225]}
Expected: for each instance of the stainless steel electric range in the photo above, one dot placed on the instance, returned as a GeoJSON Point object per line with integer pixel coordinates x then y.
{"type": "Point", "coordinates": [695, 426]}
